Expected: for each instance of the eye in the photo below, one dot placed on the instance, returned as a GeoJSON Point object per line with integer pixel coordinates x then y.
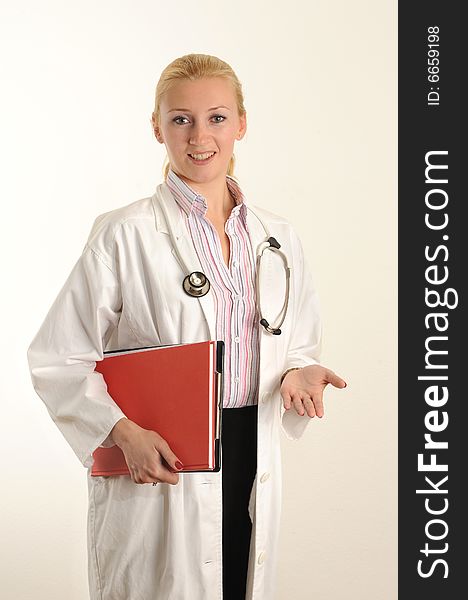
{"type": "Point", "coordinates": [219, 117]}
{"type": "Point", "coordinates": [176, 120]}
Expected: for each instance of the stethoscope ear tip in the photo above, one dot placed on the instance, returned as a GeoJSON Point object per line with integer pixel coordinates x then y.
{"type": "Point", "coordinates": [265, 324]}
{"type": "Point", "coordinates": [274, 243]}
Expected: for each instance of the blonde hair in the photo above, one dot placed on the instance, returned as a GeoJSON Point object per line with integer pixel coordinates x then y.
{"type": "Point", "coordinates": [193, 67]}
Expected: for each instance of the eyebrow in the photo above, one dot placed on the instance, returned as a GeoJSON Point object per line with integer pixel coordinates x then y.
{"type": "Point", "coordinates": [188, 110]}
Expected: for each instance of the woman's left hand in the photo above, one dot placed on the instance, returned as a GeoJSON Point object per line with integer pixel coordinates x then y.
{"type": "Point", "coordinates": [303, 389]}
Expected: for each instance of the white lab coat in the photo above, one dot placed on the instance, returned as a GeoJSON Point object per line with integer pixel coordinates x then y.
{"type": "Point", "coordinates": [164, 542]}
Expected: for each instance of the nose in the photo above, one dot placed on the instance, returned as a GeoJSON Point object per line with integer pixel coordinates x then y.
{"type": "Point", "coordinates": [199, 134]}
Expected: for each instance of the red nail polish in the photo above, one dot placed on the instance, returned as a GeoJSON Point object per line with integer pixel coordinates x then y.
{"type": "Point", "coordinates": [179, 465]}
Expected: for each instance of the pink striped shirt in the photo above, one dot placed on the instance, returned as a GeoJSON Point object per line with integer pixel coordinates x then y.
{"type": "Point", "coordinates": [233, 287]}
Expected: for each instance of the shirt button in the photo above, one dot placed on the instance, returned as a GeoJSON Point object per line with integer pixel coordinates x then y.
{"type": "Point", "coordinates": [261, 558]}
{"type": "Point", "coordinates": [234, 263]}
{"type": "Point", "coordinates": [264, 477]}
{"type": "Point", "coordinates": [236, 379]}
{"type": "Point", "coordinates": [236, 339]}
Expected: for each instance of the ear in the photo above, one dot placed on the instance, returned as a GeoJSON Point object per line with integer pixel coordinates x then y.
{"type": "Point", "coordinates": [156, 129]}
{"type": "Point", "coordinates": [242, 126]}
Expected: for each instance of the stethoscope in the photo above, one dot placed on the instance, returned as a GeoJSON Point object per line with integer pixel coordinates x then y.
{"type": "Point", "coordinates": [197, 284]}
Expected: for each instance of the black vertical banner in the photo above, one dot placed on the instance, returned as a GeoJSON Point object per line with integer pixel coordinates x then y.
{"type": "Point", "coordinates": [433, 356]}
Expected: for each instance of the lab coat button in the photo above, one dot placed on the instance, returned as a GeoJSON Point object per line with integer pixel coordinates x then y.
{"type": "Point", "coordinates": [264, 477]}
{"type": "Point", "coordinates": [261, 558]}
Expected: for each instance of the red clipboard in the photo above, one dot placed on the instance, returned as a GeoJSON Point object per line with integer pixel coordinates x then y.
{"type": "Point", "coordinates": [175, 390]}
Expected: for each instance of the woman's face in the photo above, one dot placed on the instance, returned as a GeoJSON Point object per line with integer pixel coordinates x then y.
{"type": "Point", "coordinates": [200, 117]}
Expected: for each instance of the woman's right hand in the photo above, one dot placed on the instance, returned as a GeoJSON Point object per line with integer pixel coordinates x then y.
{"type": "Point", "coordinates": [145, 452]}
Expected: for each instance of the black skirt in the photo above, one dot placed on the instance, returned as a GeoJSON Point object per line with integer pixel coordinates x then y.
{"type": "Point", "coordinates": [239, 466]}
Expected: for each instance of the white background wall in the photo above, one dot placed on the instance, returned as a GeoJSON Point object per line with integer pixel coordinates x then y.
{"type": "Point", "coordinates": [319, 79]}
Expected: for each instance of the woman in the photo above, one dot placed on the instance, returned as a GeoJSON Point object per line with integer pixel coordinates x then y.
{"type": "Point", "coordinates": [197, 536]}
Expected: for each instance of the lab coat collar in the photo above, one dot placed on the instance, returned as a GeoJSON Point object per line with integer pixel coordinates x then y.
{"type": "Point", "coordinates": [164, 195]}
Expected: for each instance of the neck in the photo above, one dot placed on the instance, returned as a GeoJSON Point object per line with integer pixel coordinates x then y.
{"type": "Point", "coordinates": [220, 207]}
{"type": "Point", "coordinates": [218, 199]}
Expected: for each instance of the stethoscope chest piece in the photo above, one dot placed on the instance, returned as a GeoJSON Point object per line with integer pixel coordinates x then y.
{"type": "Point", "coordinates": [196, 284]}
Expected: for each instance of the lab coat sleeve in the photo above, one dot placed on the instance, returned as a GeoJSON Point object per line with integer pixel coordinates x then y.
{"type": "Point", "coordinates": [305, 342]}
{"type": "Point", "coordinates": [63, 354]}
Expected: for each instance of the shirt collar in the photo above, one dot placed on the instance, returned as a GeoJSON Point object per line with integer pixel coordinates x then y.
{"type": "Point", "coordinates": [191, 201]}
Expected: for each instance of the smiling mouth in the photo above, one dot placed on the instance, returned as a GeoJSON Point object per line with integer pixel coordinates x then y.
{"type": "Point", "coordinates": [202, 156]}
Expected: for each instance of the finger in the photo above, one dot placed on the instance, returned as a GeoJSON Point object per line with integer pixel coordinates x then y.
{"type": "Point", "coordinates": [141, 476]}
{"type": "Point", "coordinates": [135, 476]}
{"type": "Point", "coordinates": [317, 399]}
{"type": "Point", "coordinates": [140, 479]}
{"type": "Point", "coordinates": [286, 401]}
{"type": "Point", "coordinates": [309, 406]}
{"type": "Point", "coordinates": [155, 472]}
{"type": "Point", "coordinates": [162, 474]}
{"type": "Point", "coordinates": [298, 404]}
{"type": "Point", "coordinates": [171, 459]}
{"type": "Point", "coordinates": [168, 477]}
{"type": "Point", "coordinates": [335, 380]}
{"type": "Point", "coordinates": [165, 476]}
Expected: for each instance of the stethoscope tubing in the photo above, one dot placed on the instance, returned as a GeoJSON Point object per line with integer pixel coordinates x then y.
{"type": "Point", "coordinates": [270, 243]}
